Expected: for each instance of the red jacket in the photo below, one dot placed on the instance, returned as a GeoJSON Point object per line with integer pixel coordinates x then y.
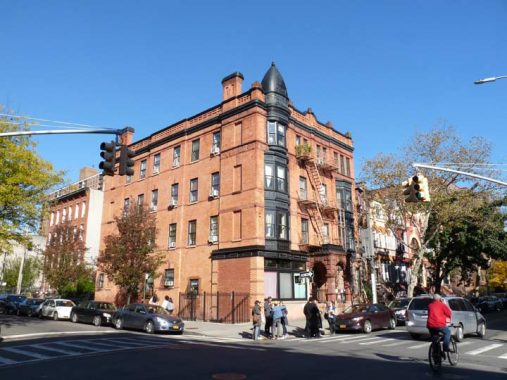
{"type": "Point", "coordinates": [438, 313]}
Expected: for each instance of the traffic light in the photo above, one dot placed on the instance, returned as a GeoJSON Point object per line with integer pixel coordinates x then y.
{"type": "Point", "coordinates": [421, 187]}
{"type": "Point", "coordinates": [126, 161]}
{"type": "Point", "coordinates": [409, 191]}
{"type": "Point", "coordinates": [109, 155]}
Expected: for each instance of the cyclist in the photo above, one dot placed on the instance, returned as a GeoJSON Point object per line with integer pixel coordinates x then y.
{"type": "Point", "coordinates": [439, 315]}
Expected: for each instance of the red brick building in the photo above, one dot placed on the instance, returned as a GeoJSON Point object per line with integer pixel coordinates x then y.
{"type": "Point", "coordinates": [248, 194]}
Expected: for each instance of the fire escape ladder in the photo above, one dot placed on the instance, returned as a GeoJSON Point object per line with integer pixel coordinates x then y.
{"type": "Point", "coordinates": [314, 213]}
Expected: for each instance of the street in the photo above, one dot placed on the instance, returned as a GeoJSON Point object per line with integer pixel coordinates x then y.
{"type": "Point", "coordinates": [112, 354]}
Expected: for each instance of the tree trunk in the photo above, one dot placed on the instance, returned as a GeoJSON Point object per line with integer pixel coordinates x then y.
{"type": "Point", "coordinates": [414, 274]}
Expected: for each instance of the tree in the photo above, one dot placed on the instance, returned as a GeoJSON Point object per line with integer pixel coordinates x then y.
{"type": "Point", "coordinates": [130, 255]}
{"type": "Point", "coordinates": [64, 265]}
{"type": "Point", "coordinates": [498, 275]}
{"type": "Point", "coordinates": [450, 200]}
{"type": "Point", "coordinates": [468, 243]}
{"type": "Point", "coordinates": [31, 270]}
{"type": "Point", "coordinates": [25, 178]}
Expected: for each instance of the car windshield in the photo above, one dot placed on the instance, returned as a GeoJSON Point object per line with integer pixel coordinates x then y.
{"type": "Point", "coordinates": [37, 301]}
{"type": "Point", "coordinates": [399, 303]}
{"type": "Point", "coordinates": [154, 309]}
{"type": "Point", "coordinates": [420, 303]}
{"type": "Point", "coordinates": [106, 306]}
{"type": "Point", "coordinates": [356, 309]}
{"type": "Point", "coordinates": [64, 303]}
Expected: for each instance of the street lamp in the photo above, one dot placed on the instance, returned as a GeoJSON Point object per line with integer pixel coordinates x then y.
{"type": "Point", "coordinates": [491, 79]}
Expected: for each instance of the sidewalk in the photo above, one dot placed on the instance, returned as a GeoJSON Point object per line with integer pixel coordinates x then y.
{"type": "Point", "coordinates": [239, 330]}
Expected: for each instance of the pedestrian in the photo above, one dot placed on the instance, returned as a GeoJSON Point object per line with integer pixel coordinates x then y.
{"type": "Point", "coordinates": [256, 320]}
{"type": "Point", "coordinates": [315, 321]}
{"type": "Point", "coordinates": [285, 320]}
{"type": "Point", "coordinates": [277, 315]}
{"type": "Point", "coordinates": [306, 311]}
{"type": "Point", "coordinates": [330, 315]}
{"type": "Point", "coordinates": [168, 304]}
{"type": "Point", "coordinates": [268, 306]}
{"type": "Point", "coordinates": [153, 300]}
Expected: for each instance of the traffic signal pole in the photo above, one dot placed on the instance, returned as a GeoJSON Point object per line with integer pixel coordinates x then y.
{"type": "Point", "coordinates": [104, 131]}
{"type": "Point", "coordinates": [417, 165]}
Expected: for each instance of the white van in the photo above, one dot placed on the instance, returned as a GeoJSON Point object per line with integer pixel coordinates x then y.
{"type": "Point", "coordinates": [464, 315]}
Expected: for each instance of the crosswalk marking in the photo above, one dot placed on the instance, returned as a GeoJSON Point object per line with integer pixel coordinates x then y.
{"type": "Point", "coordinates": [81, 346]}
{"type": "Point", "coordinates": [47, 348]}
{"type": "Point", "coordinates": [418, 346]}
{"type": "Point", "coordinates": [7, 361]}
{"type": "Point", "coordinates": [483, 349]}
{"type": "Point", "coordinates": [128, 342]}
{"type": "Point", "coordinates": [504, 356]}
{"type": "Point", "coordinates": [340, 339]}
{"type": "Point", "coordinates": [26, 353]}
{"type": "Point", "coordinates": [397, 343]}
{"type": "Point", "coordinates": [377, 341]}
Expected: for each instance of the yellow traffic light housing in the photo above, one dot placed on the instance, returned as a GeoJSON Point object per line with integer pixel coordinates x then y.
{"type": "Point", "coordinates": [408, 191]}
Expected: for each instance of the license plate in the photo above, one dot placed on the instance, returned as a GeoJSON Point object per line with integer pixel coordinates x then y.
{"type": "Point", "coordinates": [176, 328]}
{"type": "Point", "coordinates": [343, 326]}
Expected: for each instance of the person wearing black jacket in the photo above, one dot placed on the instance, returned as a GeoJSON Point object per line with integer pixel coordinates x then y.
{"type": "Point", "coordinates": [268, 313]}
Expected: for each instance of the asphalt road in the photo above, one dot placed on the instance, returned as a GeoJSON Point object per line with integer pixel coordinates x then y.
{"type": "Point", "coordinates": [127, 355]}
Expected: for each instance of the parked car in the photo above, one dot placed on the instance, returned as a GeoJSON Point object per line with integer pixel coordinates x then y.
{"type": "Point", "coordinates": [29, 306]}
{"type": "Point", "coordinates": [96, 312]}
{"type": "Point", "coordinates": [11, 303]}
{"type": "Point", "coordinates": [366, 318]}
{"type": "Point", "coordinates": [502, 297]}
{"type": "Point", "coordinates": [399, 306]}
{"type": "Point", "coordinates": [464, 315]}
{"type": "Point", "coordinates": [150, 318]}
{"type": "Point", "coordinates": [489, 303]}
{"type": "Point", "coordinates": [57, 308]}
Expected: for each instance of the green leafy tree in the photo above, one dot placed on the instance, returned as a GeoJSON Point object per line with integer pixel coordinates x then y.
{"type": "Point", "coordinates": [31, 270]}
{"type": "Point", "coordinates": [130, 254]}
{"type": "Point", "coordinates": [468, 243]}
{"type": "Point", "coordinates": [25, 178]}
{"type": "Point", "coordinates": [64, 265]}
{"type": "Point", "coordinates": [451, 201]}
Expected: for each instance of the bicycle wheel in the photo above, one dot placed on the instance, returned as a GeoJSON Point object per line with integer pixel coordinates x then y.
{"type": "Point", "coordinates": [435, 356]}
{"type": "Point", "coordinates": [453, 356]}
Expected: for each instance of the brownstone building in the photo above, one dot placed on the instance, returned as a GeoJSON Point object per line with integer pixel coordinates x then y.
{"type": "Point", "coordinates": [248, 195]}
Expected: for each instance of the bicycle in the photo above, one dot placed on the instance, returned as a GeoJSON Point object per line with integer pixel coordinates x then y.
{"type": "Point", "coordinates": [436, 353]}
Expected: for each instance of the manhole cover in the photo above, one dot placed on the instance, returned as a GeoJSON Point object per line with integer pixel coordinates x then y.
{"type": "Point", "coordinates": [228, 376]}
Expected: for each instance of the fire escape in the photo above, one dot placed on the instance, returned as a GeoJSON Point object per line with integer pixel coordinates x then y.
{"type": "Point", "coordinates": [319, 205]}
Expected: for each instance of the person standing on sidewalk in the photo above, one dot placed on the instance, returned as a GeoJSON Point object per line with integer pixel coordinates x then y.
{"type": "Point", "coordinates": [268, 311]}
{"type": "Point", "coordinates": [277, 321]}
{"type": "Point", "coordinates": [306, 311]}
{"type": "Point", "coordinates": [256, 320]}
{"type": "Point", "coordinates": [285, 320]}
{"type": "Point", "coordinates": [330, 315]}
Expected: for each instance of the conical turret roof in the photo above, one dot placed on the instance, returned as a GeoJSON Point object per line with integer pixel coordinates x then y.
{"type": "Point", "coordinates": [273, 82]}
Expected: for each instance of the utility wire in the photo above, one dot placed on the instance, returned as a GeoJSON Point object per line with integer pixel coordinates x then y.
{"type": "Point", "coordinates": [53, 121]}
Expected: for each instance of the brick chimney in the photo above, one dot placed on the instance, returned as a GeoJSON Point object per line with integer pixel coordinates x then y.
{"type": "Point", "coordinates": [86, 172]}
{"type": "Point", "coordinates": [231, 85]}
{"type": "Point", "coordinates": [127, 135]}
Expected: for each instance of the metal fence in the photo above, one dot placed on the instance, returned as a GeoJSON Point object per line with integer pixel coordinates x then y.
{"type": "Point", "coordinates": [225, 307]}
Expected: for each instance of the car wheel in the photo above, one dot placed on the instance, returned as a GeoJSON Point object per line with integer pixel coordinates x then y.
{"type": "Point", "coordinates": [118, 324]}
{"type": "Point", "coordinates": [97, 321]}
{"type": "Point", "coordinates": [149, 327]}
{"type": "Point", "coordinates": [17, 313]}
{"type": "Point", "coordinates": [55, 316]}
{"type": "Point", "coordinates": [392, 324]}
{"type": "Point", "coordinates": [29, 313]}
{"type": "Point", "coordinates": [481, 330]}
{"type": "Point", "coordinates": [74, 318]}
{"type": "Point", "coordinates": [367, 327]}
{"type": "Point", "coordinates": [459, 334]}
{"type": "Point", "coordinates": [415, 336]}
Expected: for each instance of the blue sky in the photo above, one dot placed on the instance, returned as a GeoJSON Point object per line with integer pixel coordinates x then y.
{"type": "Point", "coordinates": [379, 69]}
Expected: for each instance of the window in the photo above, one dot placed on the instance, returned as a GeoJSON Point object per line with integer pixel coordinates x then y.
{"type": "Point", "coordinates": [169, 278]}
{"type": "Point", "coordinates": [57, 217]}
{"type": "Point", "coordinates": [142, 170]}
{"type": "Point", "coordinates": [268, 176]}
{"type": "Point", "coordinates": [284, 284]}
{"type": "Point", "coordinates": [276, 225]}
{"type": "Point", "coordinates": [319, 153]}
{"type": "Point", "coordinates": [298, 140]}
{"type": "Point", "coordinates": [174, 195]}
{"type": "Point", "coordinates": [347, 167]}
{"type": "Point", "coordinates": [195, 150]}
{"type": "Point", "coordinates": [64, 215]}
{"type": "Point", "coordinates": [52, 219]}
{"type": "Point", "coordinates": [172, 235]}
{"type": "Point", "coordinates": [336, 160]}
{"type": "Point", "coordinates": [213, 229]}
{"type": "Point", "coordinates": [276, 133]}
{"type": "Point", "coordinates": [193, 190]}
{"type": "Point", "coordinates": [215, 184]}
{"type": "Point", "coordinates": [81, 232]}
{"type": "Point", "coordinates": [270, 224]}
{"type": "Point", "coordinates": [215, 147]}
{"type": "Point", "coordinates": [176, 156]}
{"type": "Point", "coordinates": [156, 163]}
{"type": "Point", "coordinates": [303, 193]}
{"type": "Point", "coordinates": [140, 200]}
{"type": "Point", "coordinates": [282, 225]}
{"type": "Point", "coordinates": [128, 179]}
{"type": "Point", "coordinates": [192, 228]}
{"type": "Point", "coordinates": [100, 283]}
{"type": "Point", "coordinates": [324, 154]}
{"type": "Point", "coordinates": [305, 235]}
{"type": "Point", "coordinates": [281, 180]}
{"type": "Point", "coordinates": [342, 164]}
{"type": "Point", "coordinates": [154, 200]}
{"type": "Point", "coordinates": [325, 233]}
{"type": "Point", "coordinates": [83, 209]}
{"type": "Point", "coordinates": [76, 211]}
{"type": "Point", "coordinates": [126, 205]}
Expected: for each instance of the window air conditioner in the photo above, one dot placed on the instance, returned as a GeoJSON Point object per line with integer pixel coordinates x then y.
{"type": "Point", "coordinates": [172, 244]}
